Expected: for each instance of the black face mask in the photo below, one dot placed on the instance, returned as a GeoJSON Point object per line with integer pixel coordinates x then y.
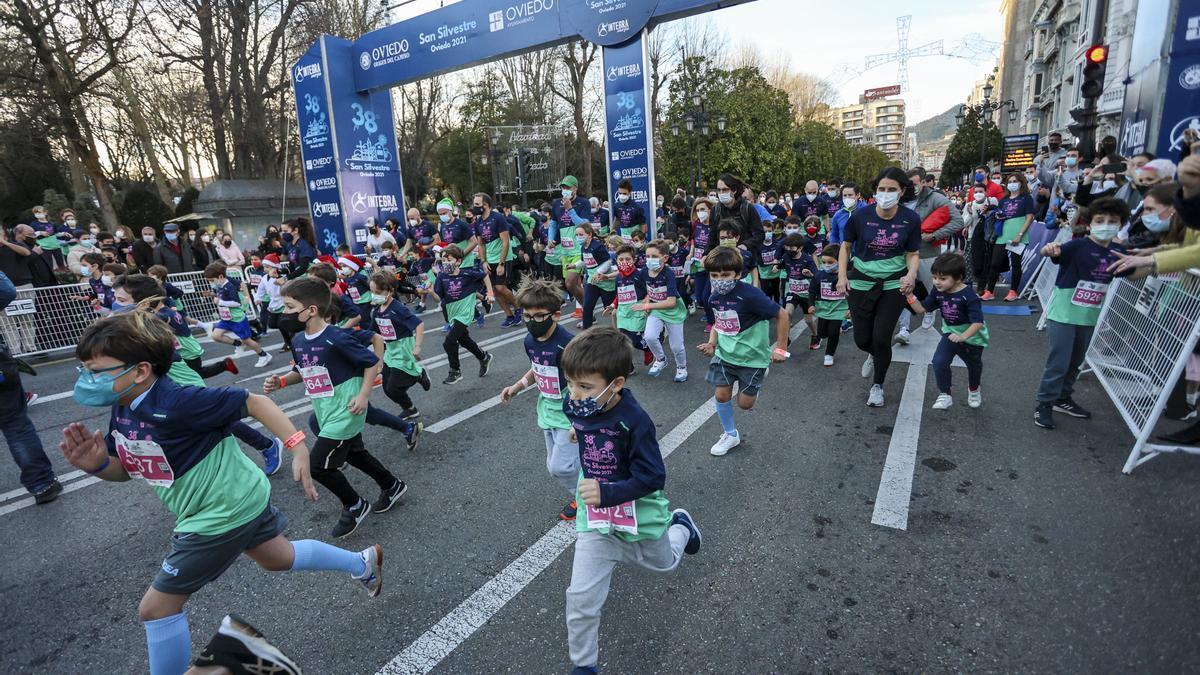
{"type": "Point", "coordinates": [539, 329]}
{"type": "Point", "coordinates": [477, 210]}
{"type": "Point", "coordinates": [290, 322]}
{"type": "Point", "coordinates": [1055, 146]}
{"type": "Point", "coordinates": [287, 237]}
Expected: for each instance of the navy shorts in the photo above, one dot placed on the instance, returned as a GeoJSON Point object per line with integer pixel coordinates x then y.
{"type": "Point", "coordinates": [721, 374]}
{"type": "Point", "coordinates": [197, 559]}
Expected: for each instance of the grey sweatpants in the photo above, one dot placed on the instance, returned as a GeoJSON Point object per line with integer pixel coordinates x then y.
{"type": "Point", "coordinates": [595, 556]}
{"type": "Point", "coordinates": [562, 458]}
{"type": "Point", "coordinates": [1068, 345]}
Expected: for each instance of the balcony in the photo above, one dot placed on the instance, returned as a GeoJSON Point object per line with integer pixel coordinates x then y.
{"type": "Point", "coordinates": [1028, 47]}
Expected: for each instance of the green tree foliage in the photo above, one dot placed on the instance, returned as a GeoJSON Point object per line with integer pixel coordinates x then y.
{"type": "Point", "coordinates": [141, 207]}
{"type": "Point", "coordinates": [963, 154]}
{"type": "Point", "coordinates": [27, 168]}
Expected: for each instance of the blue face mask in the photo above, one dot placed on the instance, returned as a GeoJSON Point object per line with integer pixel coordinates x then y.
{"type": "Point", "coordinates": [979, 176]}
{"type": "Point", "coordinates": [1155, 223]}
{"type": "Point", "coordinates": [117, 307]}
{"type": "Point", "coordinates": [171, 236]}
{"type": "Point", "coordinates": [829, 269]}
{"type": "Point", "coordinates": [581, 240]}
{"type": "Point", "coordinates": [653, 264]}
{"type": "Point", "coordinates": [96, 389]}
{"type": "Point", "coordinates": [587, 407]}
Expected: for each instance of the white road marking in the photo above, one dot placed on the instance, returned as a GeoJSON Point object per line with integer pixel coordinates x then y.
{"type": "Point", "coordinates": [28, 501]}
{"type": "Point", "coordinates": [424, 654]}
{"type": "Point", "coordinates": [469, 413]}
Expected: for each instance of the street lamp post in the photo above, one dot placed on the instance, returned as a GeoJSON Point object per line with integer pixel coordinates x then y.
{"type": "Point", "coordinates": [982, 109]}
{"type": "Point", "coordinates": [698, 121]}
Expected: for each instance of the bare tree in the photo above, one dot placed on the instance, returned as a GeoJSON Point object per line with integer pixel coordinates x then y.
{"type": "Point", "coordinates": [577, 58]}
{"type": "Point", "coordinates": [424, 111]}
{"type": "Point", "coordinates": [527, 78]}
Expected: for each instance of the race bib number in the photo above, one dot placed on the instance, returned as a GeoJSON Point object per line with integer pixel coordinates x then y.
{"type": "Point", "coordinates": [830, 292]}
{"type": "Point", "coordinates": [698, 254]}
{"type": "Point", "coordinates": [727, 322]}
{"type": "Point", "coordinates": [145, 460]}
{"type": "Point", "coordinates": [317, 383]}
{"type": "Point", "coordinates": [619, 518]}
{"type": "Point", "coordinates": [678, 271]}
{"type": "Point", "coordinates": [255, 279]}
{"type": "Point", "coordinates": [656, 293]}
{"type": "Point", "coordinates": [568, 243]}
{"type": "Point", "coordinates": [355, 295]}
{"type": "Point", "coordinates": [224, 313]}
{"type": "Point", "coordinates": [768, 256]}
{"type": "Point", "coordinates": [385, 329]}
{"type": "Point", "coordinates": [1089, 294]}
{"type": "Point", "coordinates": [589, 260]}
{"type": "Point", "coordinates": [798, 286]}
{"type": "Point", "coordinates": [817, 248]}
{"type": "Point", "coordinates": [547, 380]}
{"type": "Point", "coordinates": [627, 238]}
{"type": "Point", "coordinates": [626, 295]}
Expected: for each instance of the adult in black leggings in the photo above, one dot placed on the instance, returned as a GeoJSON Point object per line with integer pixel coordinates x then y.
{"type": "Point", "coordinates": [883, 243]}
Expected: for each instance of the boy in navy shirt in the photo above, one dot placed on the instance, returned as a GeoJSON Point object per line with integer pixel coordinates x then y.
{"type": "Point", "coordinates": [233, 328]}
{"type": "Point", "coordinates": [625, 514]}
{"type": "Point", "coordinates": [827, 304]}
{"type": "Point", "coordinates": [402, 333]}
{"type": "Point", "coordinates": [964, 334]}
{"type": "Point", "coordinates": [456, 286]}
{"type": "Point", "coordinates": [739, 343]}
{"type": "Point", "coordinates": [541, 300]}
{"type": "Point", "coordinates": [797, 269]}
{"type": "Point", "coordinates": [176, 438]}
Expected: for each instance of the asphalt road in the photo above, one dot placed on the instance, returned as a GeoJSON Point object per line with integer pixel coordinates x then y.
{"type": "Point", "coordinates": [1025, 550]}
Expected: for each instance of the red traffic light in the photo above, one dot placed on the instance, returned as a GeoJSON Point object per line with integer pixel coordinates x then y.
{"type": "Point", "coordinates": [1097, 54]}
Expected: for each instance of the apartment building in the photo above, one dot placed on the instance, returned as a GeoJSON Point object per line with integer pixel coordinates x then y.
{"type": "Point", "coordinates": [878, 122]}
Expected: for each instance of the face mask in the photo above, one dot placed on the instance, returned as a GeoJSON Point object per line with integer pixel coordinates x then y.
{"type": "Point", "coordinates": [1109, 185]}
{"type": "Point", "coordinates": [581, 239]}
{"type": "Point", "coordinates": [227, 242]}
{"type": "Point", "coordinates": [412, 223]}
{"type": "Point", "coordinates": [71, 223]}
{"type": "Point", "coordinates": [86, 271]}
{"type": "Point", "coordinates": [810, 196]}
{"type": "Point", "coordinates": [477, 210]}
{"type": "Point", "coordinates": [849, 202]}
{"type": "Point", "coordinates": [539, 329]}
{"type": "Point", "coordinates": [771, 205]}
{"type": "Point", "coordinates": [106, 280]}
{"type": "Point", "coordinates": [444, 217]}
{"type": "Point", "coordinates": [722, 286]}
{"type": "Point", "coordinates": [980, 195]}
{"type": "Point", "coordinates": [702, 215]}
{"type": "Point", "coordinates": [449, 268]}
{"type": "Point", "coordinates": [622, 197]}
{"type": "Point", "coordinates": [118, 307]}
{"type": "Point", "coordinates": [1055, 146]}
{"type": "Point", "coordinates": [979, 176]}
{"type": "Point", "coordinates": [1071, 161]}
{"type": "Point", "coordinates": [290, 322]}
{"type": "Point", "coordinates": [86, 243]}
{"type": "Point", "coordinates": [887, 200]}
{"type": "Point", "coordinates": [659, 202]}
{"type": "Point", "coordinates": [216, 285]}
{"type": "Point", "coordinates": [653, 264]}
{"type": "Point", "coordinates": [172, 237]}
{"type": "Point", "coordinates": [378, 299]}
{"type": "Point", "coordinates": [811, 230]}
{"type": "Point", "coordinates": [118, 235]}
{"type": "Point", "coordinates": [674, 248]}
{"type": "Point", "coordinates": [1105, 232]}
{"type": "Point", "coordinates": [1013, 187]}
{"type": "Point", "coordinates": [1155, 223]}
{"type": "Point", "coordinates": [726, 198]}
{"type": "Point", "coordinates": [96, 389]}
{"type": "Point", "coordinates": [829, 269]}
{"type": "Point", "coordinates": [288, 237]}
{"type": "Point", "coordinates": [566, 194]}
{"type": "Point", "coordinates": [586, 407]}
{"type": "Point", "coordinates": [206, 239]}
{"type": "Point", "coordinates": [768, 235]}
{"type": "Point", "coordinates": [625, 268]}
{"type": "Point", "coordinates": [1029, 177]}
{"type": "Point", "coordinates": [792, 230]}
{"type": "Point", "coordinates": [912, 204]}
{"type": "Point", "coordinates": [729, 243]}
{"type": "Point", "coordinates": [39, 216]}
{"type": "Point", "coordinates": [148, 238]}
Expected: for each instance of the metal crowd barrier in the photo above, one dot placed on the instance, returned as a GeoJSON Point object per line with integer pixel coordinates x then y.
{"type": "Point", "coordinates": [50, 319]}
{"type": "Point", "coordinates": [1144, 337]}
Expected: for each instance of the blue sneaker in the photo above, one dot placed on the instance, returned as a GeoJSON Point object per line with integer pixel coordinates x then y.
{"type": "Point", "coordinates": [681, 375]}
{"type": "Point", "coordinates": [479, 318]}
{"type": "Point", "coordinates": [656, 368]}
{"type": "Point", "coordinates": [446, 327]}
{"type": "Point", "coordinates": [271, 458]}
{"type": "Point", "coordinates": [682, 517]}
{"type": "Point", "coordinates": [847, 325]}
{"type": "Point", "coordinates": [584, 670]}
{"type": "Point", "coordinates": [509, 322]}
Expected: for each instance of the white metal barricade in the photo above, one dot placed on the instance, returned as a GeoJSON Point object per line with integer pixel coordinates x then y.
{"type": "Point", "coordinates": [1044, 276]}
{"type": "Point", "coordinates": [1143, 340]}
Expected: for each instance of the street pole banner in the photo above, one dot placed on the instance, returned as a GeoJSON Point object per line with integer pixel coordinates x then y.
{"type": "Point", "coordinates": [1181, 100]}
{"type": "Point", "coordinates": [628, 142]}
{"type": "Point", "coordinates": [1019, 152]}
{"type": "Point", "coordinates": [309, 78]}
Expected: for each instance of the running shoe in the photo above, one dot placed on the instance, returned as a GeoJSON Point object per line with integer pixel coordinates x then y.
{"type": "Point", "coordinates": [927, 321]}
{"type": "Point", "coordinates": [389, 497]}
{"type": "Point", "coordinates": [239, 352]}
{"type": "Point", "coordinates": [578, 313]}
{"type": "Point", "coordinates": [828, 361]}
{"type": "Point", "coordinates": [241, 649]}
{"type": "Point", "coordinates": [446, 327]}
{"type": "Point", "coordinates": [378, 380]}
{"type": "Point", "coordinates": [943, 402]}
{"type": "Point", "coordinates": [480, 318]}
{"type": "Point", "coordinates": [208, 328]}
{"type": "Point", "coordinates": [1012, 295]}
{"type": "Point", "coordinates": [647, 357]}
{"type": "Point", "coordinates": [692, 309]}
{"type": "Point", "coordinates": [682, 517]}
{"type": "Point", "coordinates": [424, 381]}
{"type": "Point", "coordinates": [987, 295]}
{"type": "Point", "coordinates": [410, 414]}
{"type": "Point", "coordinates": [569, 511]}
{"type": "Point", "coordinates": [413, 433]}
{"type": "Point", "coordinates": [1070, 407]}
{"type": "Point", "coordinates": [724, 444]}
{"type": "Point", "coordinates": [681, 375]}
{"type": "Point", "coordinates": [372, 577]}
{"type": "Point", "coordinates": [263, 359]}
{"type": "Point", "coordinates": [847, 325]}
{"type": "Point", "coordinates": [231, 366]}
{"type": "Point", "coordinates": [1043, 416]}
{"type": "Point", "coordinates": [420, 307]}
{"type": "Point", "coordinates": [271, 457]}
{"type": "Point", "coordinates": [875, 396]}
{"type": "Point", "coordinates": [49, 494]}
{"type": "Point", "coordinates": [708, 327]}
{"type": "Point", "coordinates": [509, 322]}
{"type": "Point", "coordinates": [868, 367]}
{"type": "Point", "coordinates": [584, 670]}
{"type": "Point", "coordinates": [30, 397]}
{"type": "Point", "coordinates": [656, 368]}
{"type": "Point", "coordinates": [452, 377]}
{"type": "Point", "coordinates": [901, 338]}
{"type": "Point", "coordinates": [485, 364]}
{"type": "Point", "coordinates": [814, 342]}
{"type": "Point", "coordinates": [974, 397]}
{"type": "Point", "coordinates": [351, 518]}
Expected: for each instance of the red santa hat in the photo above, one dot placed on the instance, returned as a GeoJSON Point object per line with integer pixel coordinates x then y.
{"type": "Point", "coordinates": [328, 259]}
{"type": "Point", "coordinates": [350, 261]}
{"type": "Point", "coordinates": [271, 260]}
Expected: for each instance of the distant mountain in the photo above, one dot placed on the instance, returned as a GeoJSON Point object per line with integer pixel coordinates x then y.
{"type": "Point", "coordinates": [936, 127]}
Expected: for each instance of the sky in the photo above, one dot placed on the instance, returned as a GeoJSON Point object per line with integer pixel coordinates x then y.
{"type": "Point", "coordinates": [851, 30]}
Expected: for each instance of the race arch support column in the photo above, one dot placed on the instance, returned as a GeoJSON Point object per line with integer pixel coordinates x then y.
{"type": "Point", "coordinates": [348, 147]}
{"type": "Point", "coordinates": [629, 133]}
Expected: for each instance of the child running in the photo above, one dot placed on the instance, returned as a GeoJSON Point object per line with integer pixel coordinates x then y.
{"type": "Point", "coordinates": [233, 328]}
{"type": "Point", "coordinates": [631, 290]}
{"type": "Point", "coordinates": [1079, 291]}
{"type": "Point", "coordinates": [665, 310]}
{"type": "Point", "coordinates": [338, 373]}
{"type": "Point", "coordinates": [174, 438]}
{"type": "Point", "coordinates": [625, 514]}
{"type": "Point", "coordinates": [964, 334]}
{"type": "Point", "coordinates": [797, 271]}
{"type": "Point", "coordinates": [541, 301]}
{"type": "Point", "coordinates": [403, 332]}
{"type": "Point", "coordinates": [457, 286]}
{"type": "Point", "coordinates": [827, 304]}
{"type": "Point", "coordinates": [739, 343]}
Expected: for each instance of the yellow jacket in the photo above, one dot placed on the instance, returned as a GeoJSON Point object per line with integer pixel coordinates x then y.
{"type": "Point", "coordinates": [1179, 257]}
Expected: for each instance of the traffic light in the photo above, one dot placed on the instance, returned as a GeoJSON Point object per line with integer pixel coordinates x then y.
{"type": "Point", "coordinates": [1095, 62]}
{"type": "Point", "coordinates": [1084, 122]}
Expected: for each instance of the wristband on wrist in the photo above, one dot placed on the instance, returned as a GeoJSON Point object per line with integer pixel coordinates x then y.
{"type": "Point", "coordinates": [100, 468]}
{"type": "Point", "coordinates": [293, 440]}
{"type": "Point", "coordinates": [782, 352]}
{"type": "Point", "coordinates": [282, 381]}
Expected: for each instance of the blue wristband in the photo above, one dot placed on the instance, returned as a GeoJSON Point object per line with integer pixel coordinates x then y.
{"type": "Point", "coordinates": [102, 467]}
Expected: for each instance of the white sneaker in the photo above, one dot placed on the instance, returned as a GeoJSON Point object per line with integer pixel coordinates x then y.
{"type": "Point", "coordinates": [692, 309]}
{"type": "Point", "coordinates": [681, 375]}
{"type": "Point", "coordinates": [656, 368]}
{"type": "Point", "coordinates": [901, 338]}
{"type": "Point", "coordinates": [828, 360]}
{"type": "Point", "coordinates": [943, 401]}
{"type": "Point", "coordinates": [725, 444]}
{"type": "Point", "coordinates": [868, 368]}
{"type": "Point", "coordinates": [372, 576]}
{"type": "Point", "coordinates": [239, 352]}
{"type": "Point", "coordinates": [875, 398]}
{"type": "Point", "coordinates": [208, 328]}
{"type": "Point", "coordinates": [263, 359]}
{"type": "Point", "coordinates": [927, 320]}
{"type": "Point", "coordinates": [974, 398]}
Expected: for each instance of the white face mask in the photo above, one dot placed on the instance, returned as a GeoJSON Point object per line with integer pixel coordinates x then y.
{"type": "Point", "coordinates": [849, 202]}
{"type": "Point", "coordinates": [791, 230]}
{"type": "Point", "coordinates": [1014, 187]}
{"type": "Point", "coordinates": [377, 299]}
{"type": "Point", "coordinates": [412, 222]}
{"type": "Point", "coordinates": [444, 217]}
{"type": "Point", "coordinates": [702, 215]}
{"type": "Point", "coordinates": [622, 197]}
{"type": "Point", "coordinates": [71, 223]}
{"type": "Point", "coordinates": [566, 194]}
{"type": "Point", "coordinates": [726, 198]}
{"type": "Point", "coordinates": [206, 239]}
{"type": "Point", "coordinates": [148, 238]}
{"type": "Point", "coordinates": [980, 195]}
{"type": "Point", "coordinates": [887, 200]}
{"type": "Point", "coordinates": [118, 235]}
{"type": "Point", "coordinates": [106, 280]}
{"type": "Point", "coordinates": [810, 196]}
{"type": "Point", "coordinates": [1109, 185]}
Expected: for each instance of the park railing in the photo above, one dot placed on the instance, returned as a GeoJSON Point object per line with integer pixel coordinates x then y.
{"type": "Point", "coordinates": [1145, 335]}
{"type": "Point", "coordinates": [53, 318]}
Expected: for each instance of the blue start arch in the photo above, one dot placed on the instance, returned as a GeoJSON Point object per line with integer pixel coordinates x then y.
{"type": "Point", "coordinates": [348, 141]}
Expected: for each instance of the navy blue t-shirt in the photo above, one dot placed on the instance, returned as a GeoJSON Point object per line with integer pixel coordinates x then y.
{"type": "Point", "coordinates": [455, 232]}
{"type": "Point", "coordinates": [466, 283]}
{"type": "Point", "coordinates": [629, 214]}
{"type": "Point", "coordinates": [337, 349]}
{"type": "Point", "coordinates": [802, 208]}
{"type": "Point", "coordinates": [619, 448]}
{"type": "Point", "coordinates": [872, 238]}
{"type": "Point", "coordinates": [401, 318]}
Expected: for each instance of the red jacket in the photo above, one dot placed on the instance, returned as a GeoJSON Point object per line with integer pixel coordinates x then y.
{"type": "Point", "coordinates": [993, 190]}
{"type": "Point", "coordinates": [936, 221]}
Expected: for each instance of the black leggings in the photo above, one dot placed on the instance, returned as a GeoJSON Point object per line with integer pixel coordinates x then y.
{"type": "Point", "coordinates": [874, 321]}
{"type": "Point", "coordinates": [395, 385]}
{"type": "Point", "coordinates": [328, 457]}
{"type": "Point", "coordinates": [770, 287]}
{"type": "Point", "coordinates": [1001, 255]}
{"type": "Point", "coordinates": [456, 337]}
{"type": "Point", "coordinates": [831, 331]}
{"type": "Point", "coordinates": [205, 371]}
